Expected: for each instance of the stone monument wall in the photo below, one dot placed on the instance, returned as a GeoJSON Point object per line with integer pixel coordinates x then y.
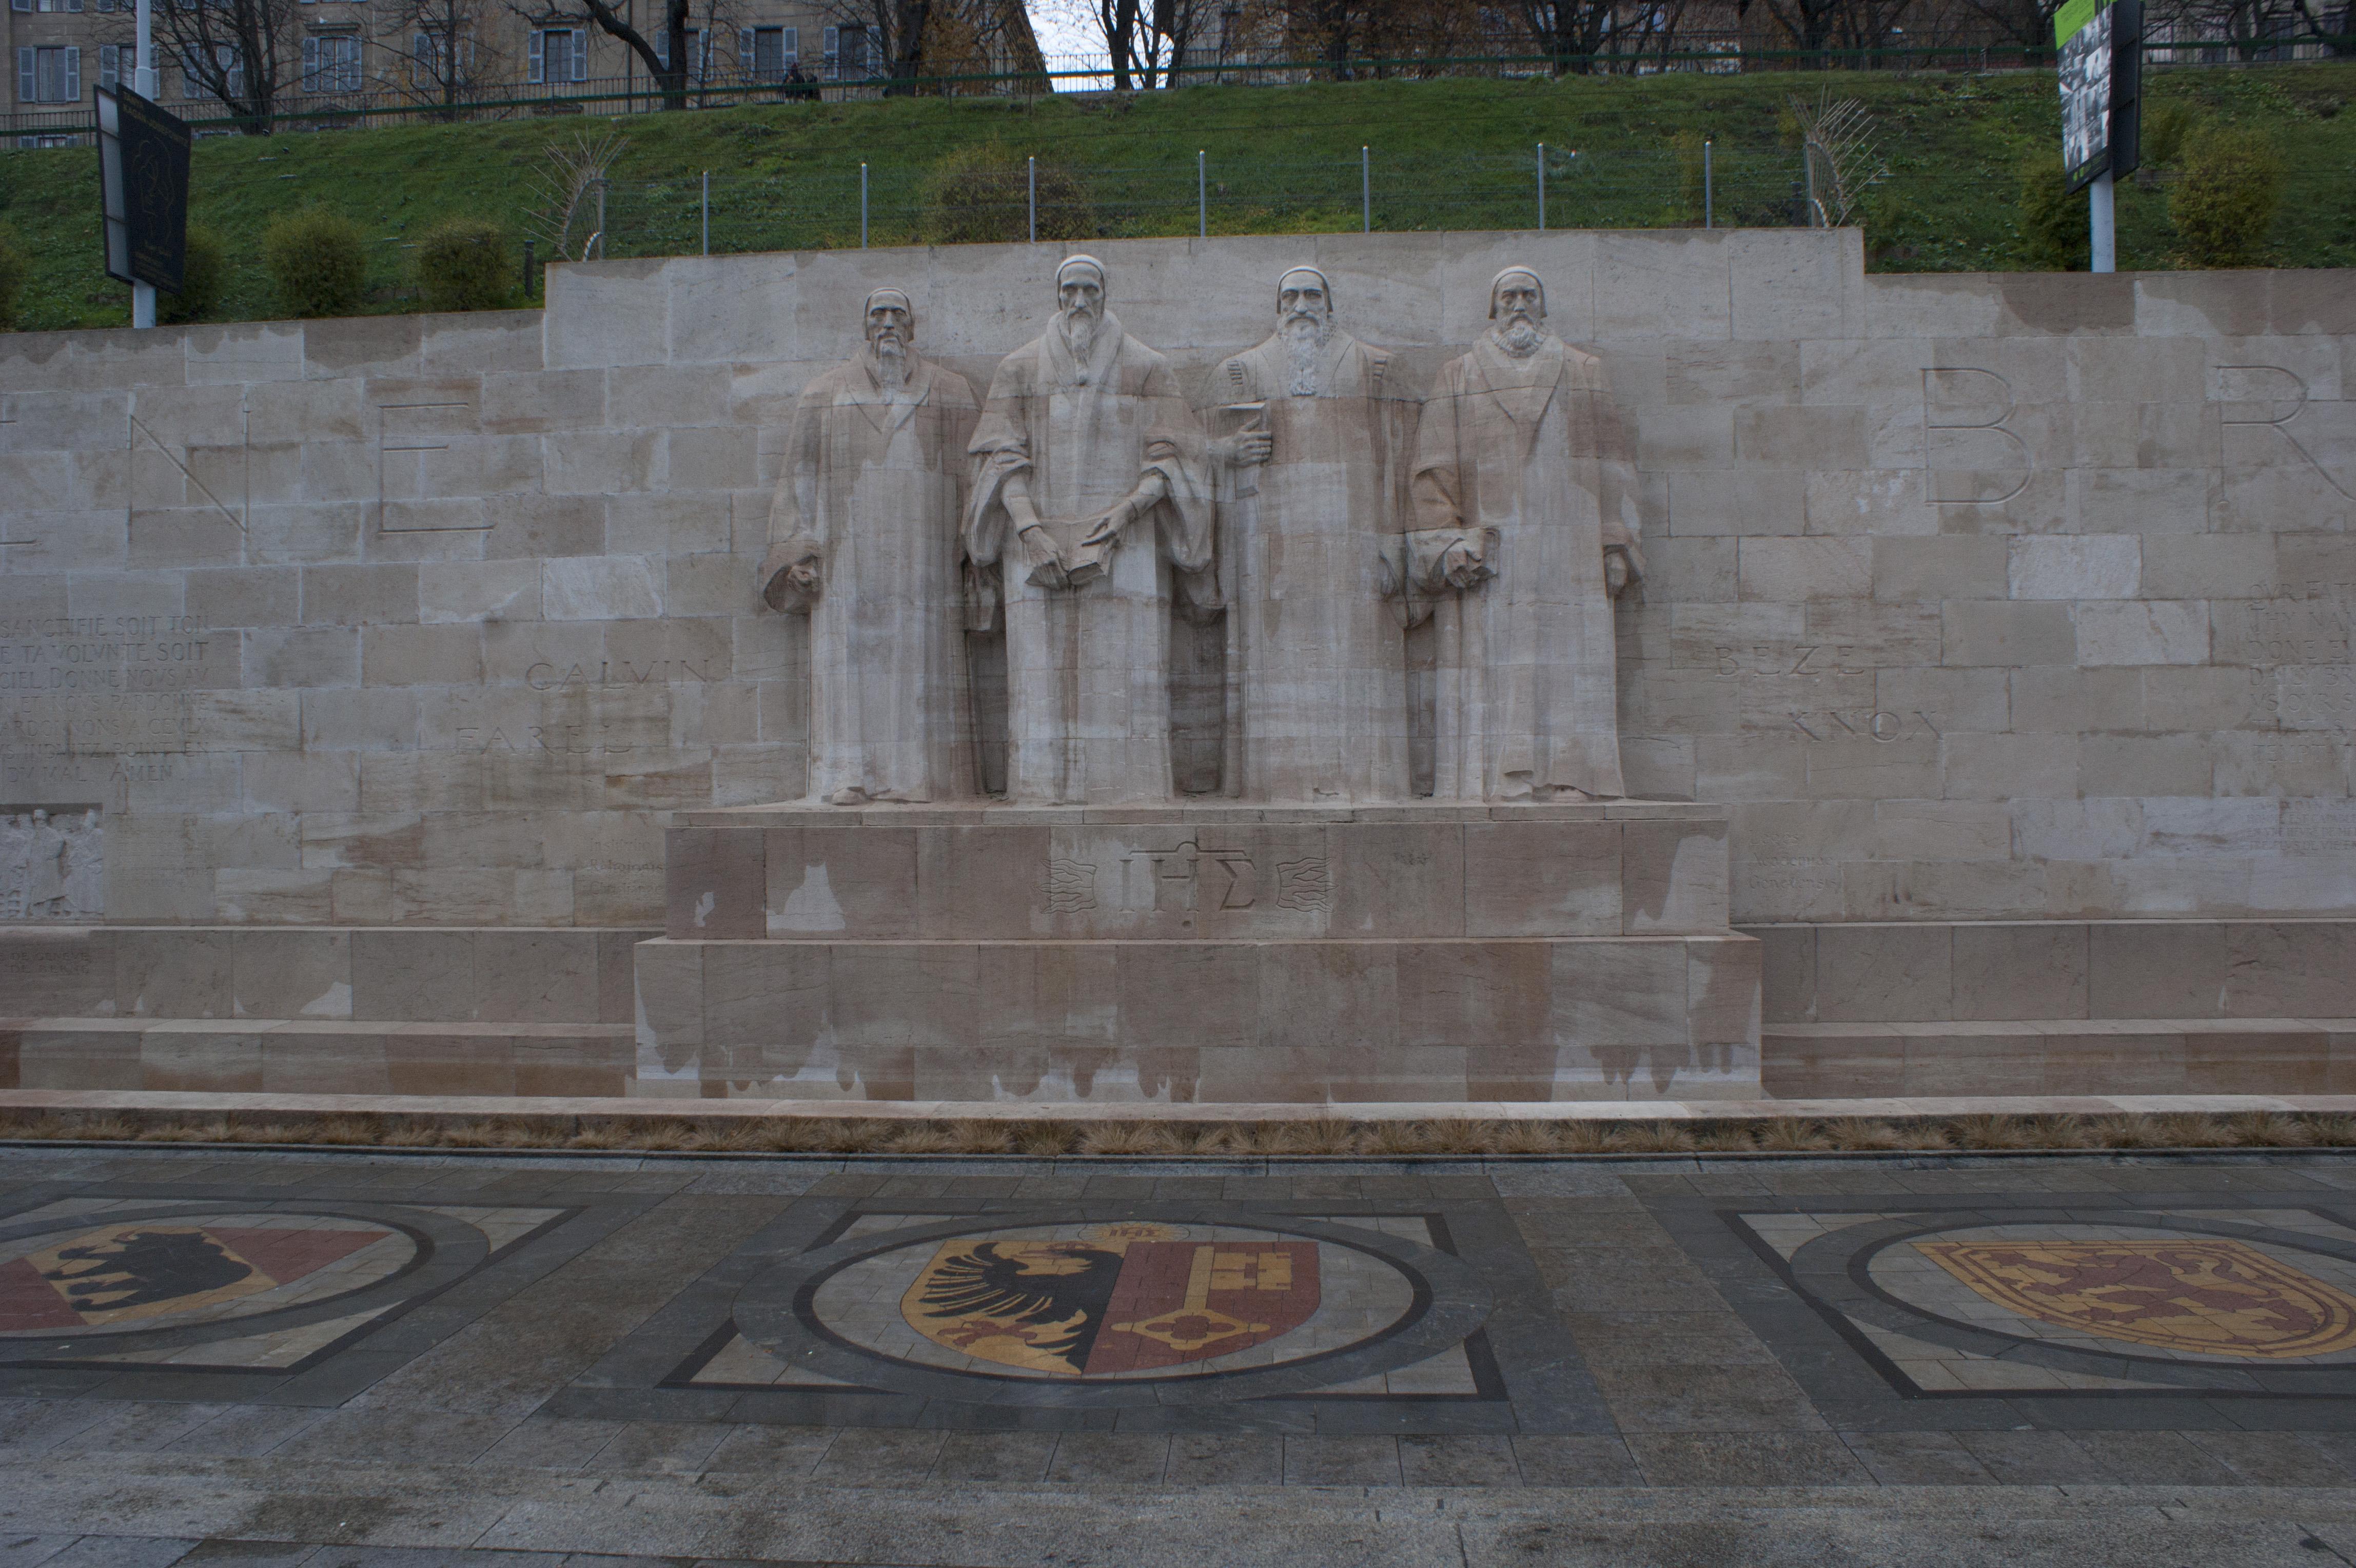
{"type": "Point", "coordinates": [1974, 597]}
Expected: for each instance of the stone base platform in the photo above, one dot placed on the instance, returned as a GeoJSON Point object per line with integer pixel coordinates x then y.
{"type": "Point", "coordinates": [1200, 951]}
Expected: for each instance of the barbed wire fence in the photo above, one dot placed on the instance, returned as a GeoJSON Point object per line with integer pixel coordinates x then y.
{"type": "Point", "coordinates": [1704, 185]}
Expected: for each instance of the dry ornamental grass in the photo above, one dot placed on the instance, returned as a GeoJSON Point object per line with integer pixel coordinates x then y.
{"type": "Point", "coordinates": [1167, 1140]}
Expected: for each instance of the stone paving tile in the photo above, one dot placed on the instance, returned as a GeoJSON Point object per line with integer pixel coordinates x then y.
{"type": "Point", "coordinates": [771, 1450]}
{"type": "Point", "coordinates": [121, 1551]}
{"type": "Point", "coordinates": [1109, 1456]}
{"type": "Point", "coordinates": [2270, 1458]}
{"type": "Point", "coordinates": [247, 1431]}
{"type": "Point", "coordinates": [659, 1446]}
{"type": "Point", "coordinates": [1471, 1460]}
{"type": "Point", "coordinates": [1341, 1462]}
{"type": "Point", "coordinates": [1917, 1459]}
{"type": "Point", "coordinates": [872, 1457]}
{"type": "Point", "coordinates": [1575, 1461]}
{"type": "Point", "coordinates": [38, 1426]}
{"type": "Point", "coordinates": [138, 1425]}
{"type": "Point", "coordinates": [1012, 1457]}
{"type": "Point", "coordinates": [248, 1554]}
{"type": "Point", "coordinates": [558, 1443]}
{"type": "Point", "coordinates": [1745, 1459]}
{"type": "Point", "coordinates": [1226, 1459]}
{"type": "Point", "coordinates": [2036, 1458]}
{"type": "Point", "coordinates": [2153, 1458]}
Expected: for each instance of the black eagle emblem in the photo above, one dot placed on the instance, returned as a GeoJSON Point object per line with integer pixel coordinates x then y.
{"type": "Point", "coordinates": [142, 1268]}
{"type": "Point", "coordinates": [1053, 1293]}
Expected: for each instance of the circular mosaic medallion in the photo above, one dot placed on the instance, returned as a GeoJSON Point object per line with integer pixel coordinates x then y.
{"type": "Point", "coordinates": [130, 1275]}
{"type": "Point", "coordinates": [1171, 1305]}
{"type": "Point", "coordinates": [2148, 1296]}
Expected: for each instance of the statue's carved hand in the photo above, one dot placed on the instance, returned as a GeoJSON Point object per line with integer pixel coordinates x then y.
{"type": "Point", "coordinates": [1110, 524]}
{"type": "Point", "coordinates": [1039, 555]}
{"type": "Point", "coordinates": [1243, 449]}
{"type": "Point", "coordinates": [1465, 566]}
{"type": "Point", "coordinates": [1619, 572]}
{"type": "Point", "coordinates": [790, 577]}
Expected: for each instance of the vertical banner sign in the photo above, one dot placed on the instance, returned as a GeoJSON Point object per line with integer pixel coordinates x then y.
{"type": "Point", "coordinates": [2101, 87]}
{"type": "Point", "coordinates": [142, 178]}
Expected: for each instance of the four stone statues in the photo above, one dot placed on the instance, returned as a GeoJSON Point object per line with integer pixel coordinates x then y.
{"type": "Point", "coordinates": [1308, 494]}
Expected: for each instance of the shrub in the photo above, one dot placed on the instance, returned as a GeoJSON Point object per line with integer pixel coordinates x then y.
{"type": "Point", "coordinates": [203, 267]}
{"type": "Point", "coordinates": [464, 263]}
{"type": "Point", "coordinates": [2056, 235]}
{"type": "Point", "coordinates": [2166, 128]}
{"type": "Point", "coordinates": [14, 266]}
{"type": "Point", "coordinates": [2224, 207]}
{"type": "Point", "coordinates": [317, 262]}
{"type": "Point", "coordinates": [981, 192]}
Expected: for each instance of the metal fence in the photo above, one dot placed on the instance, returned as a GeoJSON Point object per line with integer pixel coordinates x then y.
{"type": "Point", "coordinates": [388, 103]}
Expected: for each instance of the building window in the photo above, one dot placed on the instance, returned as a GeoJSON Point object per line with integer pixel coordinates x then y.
{"type": "Point", "coordinates": [232, 72]}
{"type": "Point", "coordinates": [432, 58]}
{"type": "Point", "coordinates": [699, 54]}
{"type": "Point", "coordinates": [766, 51]}
{"type": "Point", "coordinates": [846, 54]}
{"type": "Point", "coordinates": [560, 54]}
{"type": "Point", "coordinates": [331, 63]}
{"type": "Point", "coordinates": [49, 76]}
{"type": "Point", "coordinates": [111, 58]}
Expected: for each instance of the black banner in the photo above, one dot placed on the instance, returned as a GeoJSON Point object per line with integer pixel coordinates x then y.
{"type": "Point", "coordinates": [143, 176]}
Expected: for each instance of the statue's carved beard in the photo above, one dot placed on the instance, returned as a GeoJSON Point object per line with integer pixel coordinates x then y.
{"type": "Point", "coordinates": [1521, 336]}
{"type": "Point", "coordinates": [1080, 332]}
{"type": "Point", "coordinates": [892, 361]}
{"type": "Point", "coordinates": [1305, 334]}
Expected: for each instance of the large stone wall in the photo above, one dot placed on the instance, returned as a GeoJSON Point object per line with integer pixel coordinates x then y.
{"type": "Point", "coordinates": [1976, 596]}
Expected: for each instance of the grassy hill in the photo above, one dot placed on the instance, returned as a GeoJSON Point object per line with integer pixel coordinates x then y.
{"type": "Point", "coordinates": [1443, 155]}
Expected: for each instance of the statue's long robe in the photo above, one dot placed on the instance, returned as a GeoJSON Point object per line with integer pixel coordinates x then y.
{"type": "Point", "coordinates": [1535, 450]}
{"type": "Point", "coordinates": [874, 490]}
{"type": "Point", "coordinates": [1316, 658]}
{"type": "Point", "coordinates": [1087, 668]}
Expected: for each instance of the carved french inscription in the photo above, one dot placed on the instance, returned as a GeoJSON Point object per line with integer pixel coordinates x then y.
{"type": "Point", "coordinates": [1790, 659]}
{"type": "Point", "coordinates": [406, 432]}
{"type": "Point", "coordinates": [1860, 723]}
{"type": "Point", "coordinates": [1971, 456]}
{"type": "Point", "coordinates": [2269, 397]}
{"type": "Point", "coordinates": [89, 700]}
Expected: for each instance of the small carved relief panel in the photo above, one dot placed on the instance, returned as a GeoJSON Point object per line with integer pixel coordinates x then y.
{"type": "Point", "coordinates": [52, 865]}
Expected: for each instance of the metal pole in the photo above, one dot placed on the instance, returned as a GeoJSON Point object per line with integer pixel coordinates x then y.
{"type": "Point", "coordinates": [1033, 169]}
{"type": "Point", "coordinates": [1541, 187]}
{"type": "Point", "coordinates": [1365, 191]}
{"type": "Point", "coordinates": [1202, 197]}
{"type": "Point", "coordinates": [143, 295]}
{"type": "Point", "coordinates": [863, 207]}
{"type": "Point", "coordinates": [601, 217]}
{"type": "Point", "coordinates": [1708, 217]}
{"type": "Point", "coordinates": [707, 212]}
{"type": "Point", "coordinates": [2103, 220]}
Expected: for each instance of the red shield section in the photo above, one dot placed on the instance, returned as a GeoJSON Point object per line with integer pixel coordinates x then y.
{"type": "Point", "coordinates": [1189, 1301]}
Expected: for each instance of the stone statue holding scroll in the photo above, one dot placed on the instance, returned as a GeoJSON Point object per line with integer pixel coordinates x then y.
{"type": "Point", "coordinates": [864, 540]}
{"type": "Point", "coordinates": [1525, 530]}
{"type": "Point", "coordinates": [1317, 706]}
{"type": "Point", "coordinates": [1092, 499]}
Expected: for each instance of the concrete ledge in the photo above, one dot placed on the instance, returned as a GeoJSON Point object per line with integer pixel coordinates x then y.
{"type": "Point", "coordinates": [2064, 1056]}
{"type": "Point", "coordinates": [315, 1056]}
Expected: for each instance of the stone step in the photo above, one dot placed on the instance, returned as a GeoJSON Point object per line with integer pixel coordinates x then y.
{"type": "Point", "coordinates": [2062, 1056]}
{"type": "Point", "coordinates": [266, 1056]}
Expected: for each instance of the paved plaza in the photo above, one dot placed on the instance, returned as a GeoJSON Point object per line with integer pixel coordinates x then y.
{"type": "Point", "coordinates": [386, 1361]}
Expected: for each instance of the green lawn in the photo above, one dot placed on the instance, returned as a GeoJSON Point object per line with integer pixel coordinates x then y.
{"type": "Point", "coordinates": [1444, 155]}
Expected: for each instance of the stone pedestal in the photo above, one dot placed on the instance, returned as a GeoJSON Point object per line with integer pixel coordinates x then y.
{"type": "Point", "coordinates": [1200, 952]}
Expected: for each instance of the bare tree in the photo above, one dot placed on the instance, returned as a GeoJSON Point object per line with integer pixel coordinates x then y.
{"type": "Point", "coordinates": [667, 65]}
{"type": "Point", "coordinates": [1584, 36]}
{"type": "Point", "coordinates": [442, 49]}
{"type": "Point", "coordinates": [1142, 40]}
{"type": "Point", "coordinates": [235, 51]}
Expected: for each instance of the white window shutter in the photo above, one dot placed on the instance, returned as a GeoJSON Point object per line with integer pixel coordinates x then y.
{"type": "Point", "coordinates": [29, 78]}
{"type": "Point", "coordinates": [662, 41]}
{"type": "Point", "coordinates": [744, 50]}
{"type": "Point", "coordinates": [833, 49]}
{"type": "Point", "coordinates": [20, 5]}
{"type": "Point", "coordinates": [73, 76]}
{"type": "Point", "coordinates": [537, 70]}
{"type": "Point", "coordinates": [310, 65]}
{"type": "Point", "coordinates": [580, 54]}
{"type": "Point", "coordinates": [793, 45]}
{"type": "Point", "coordinates": [73, 4]}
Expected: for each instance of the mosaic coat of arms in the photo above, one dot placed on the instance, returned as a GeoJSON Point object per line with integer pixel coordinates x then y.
{"type": "Point", "coordinates": [2212, 1295]}
{"type": "Point", "coordinates": [1131, 1299]}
